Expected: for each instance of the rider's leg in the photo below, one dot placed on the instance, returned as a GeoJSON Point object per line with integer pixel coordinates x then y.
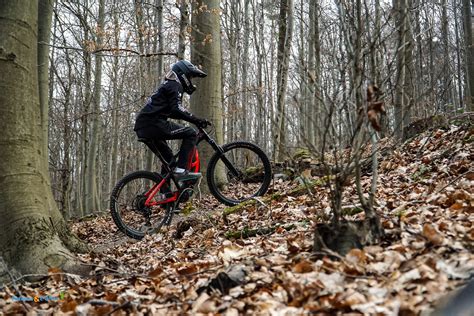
{"type": "Point", "coordinates": [187, 147]}
{"type": "Point", "coordinates": [159, 147]}
{"type": "Point", "coordinates": [164, 150]}
{"type": "Point", "coordinates": [164, 129]}
{"type": "Point", "coordinates": [167, 154]}
{"type": "Point", "coordinates": [157, 134]}
{"type": "Point", "coordinates": [189, 137]}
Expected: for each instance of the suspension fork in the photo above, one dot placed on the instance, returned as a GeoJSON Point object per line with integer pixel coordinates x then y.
{"type": "Point", "coordinates": [203, 135]}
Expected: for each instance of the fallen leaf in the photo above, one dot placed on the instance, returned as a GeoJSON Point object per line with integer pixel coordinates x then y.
{"type": "Point", "coordinates": [187, 269]}
{"type": "Point", "coordinates": [356, 256]}
{"type": "Point", "coordinates": [203, 304]}
{"type": "Point", "coordinates": [354, 298]}
{"type": "Point", "coordinates": [303, 266]}
{"type": "Point", "coordinates": [456, 206]}
{"type": "Point", "coordinates": [452, 271]}
{"type": "Point", "coordinates": [156, 272]}
{"type": "Point", "coordinates": [432, 234]}
{"type": "Point", "coordinates": [333, 283]}
{"type": "Point", "coordinates": [411, 275]}
{"type": "Point", "coordinates": [232, 252]}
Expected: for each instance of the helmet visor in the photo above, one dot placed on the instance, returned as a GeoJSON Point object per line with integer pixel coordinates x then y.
{"type": "Point", "coordinates": [196, 72]}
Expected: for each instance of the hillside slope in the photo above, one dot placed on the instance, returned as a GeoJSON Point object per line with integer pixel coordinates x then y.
{"type": "Point", "coordinates": [425, 200]}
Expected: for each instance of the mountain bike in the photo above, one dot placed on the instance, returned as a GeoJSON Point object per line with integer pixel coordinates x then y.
{"type": "Point", "coordinates": [143, 202]}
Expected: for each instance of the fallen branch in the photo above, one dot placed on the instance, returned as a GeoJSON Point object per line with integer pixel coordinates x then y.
{"type": "Point", "coordinates": [302, 189]}
{"type": "Point", "coordinates": [247, 233]}
{"type": "Point", "coordinates": [454, 180]}
{"type": "Point", "coordinates": [13, 282]}
{"type": "Point", "coordinates": [124, 305]}
{"type": "Point", "coordinates": [44, 276]}
{"type": "Point", "coordinates": [102, 302]}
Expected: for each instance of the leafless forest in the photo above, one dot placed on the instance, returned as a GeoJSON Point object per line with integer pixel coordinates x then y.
{"type": "Point", "coordinates": [364, 107]}
{"type": "Point", "coordinates": [292, 73]}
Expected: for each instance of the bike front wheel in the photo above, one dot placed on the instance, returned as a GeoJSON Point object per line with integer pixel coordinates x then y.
{"type": "Point", "coordinates": [240, 173]}
{"type": "Point", "coordinates": [128, 206]}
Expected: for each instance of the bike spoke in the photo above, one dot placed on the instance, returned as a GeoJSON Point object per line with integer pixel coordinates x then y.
{"type": "Point", "coordinates": [242, 172]}
{"type": "Point", "coordinates": [129, 209]}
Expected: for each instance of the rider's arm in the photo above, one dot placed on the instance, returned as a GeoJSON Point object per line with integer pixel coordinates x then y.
{"type": "Point", "coordinates": [177, 110]}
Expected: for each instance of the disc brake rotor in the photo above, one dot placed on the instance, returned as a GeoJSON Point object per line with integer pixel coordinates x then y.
{"type": "Point", "coordinates": [140, 207]}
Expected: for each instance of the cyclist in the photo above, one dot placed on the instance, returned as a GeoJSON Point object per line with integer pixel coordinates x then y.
{"type": "Point", "coordinates": [152, 121]}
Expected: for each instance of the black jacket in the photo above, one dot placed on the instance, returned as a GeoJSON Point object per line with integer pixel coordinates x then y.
{"type": "Point", "coordinates": [163, 104]}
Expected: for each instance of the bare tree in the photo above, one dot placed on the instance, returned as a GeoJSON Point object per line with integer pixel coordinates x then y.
{"type": "Point", "coordinates": [404, 90]}
{"type": "Point", "coordinates": [30, 216]}
{"type": "Point", "coordinates": [206, 53]}
{"type": "Point", "coordinates": [92, 189]}
{"type": "Point", "coordinates": [469, 45]}
{"type": "Point", "coordinates": [183, 6]}
{"type": "Point", "coordinates": [279, 91]}
{"type": "Point", "coordinates": [284, 45]}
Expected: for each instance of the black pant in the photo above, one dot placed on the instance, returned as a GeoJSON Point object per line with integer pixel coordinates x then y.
{"type": "Point", "coordinates": [163, 130]}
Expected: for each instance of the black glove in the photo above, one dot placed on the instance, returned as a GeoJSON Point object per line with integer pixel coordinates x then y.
{"type": "Point", "coordinates": [202, 123]}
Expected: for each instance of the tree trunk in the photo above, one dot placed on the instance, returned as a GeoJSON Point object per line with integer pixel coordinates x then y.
{"type": "Point", "coordinates": [143, 77]}
{"type": "Point", "coordinates": [309, 110]}
{"type": "Point", "coordinates": [246, 114]}
{"type": "Point", "coordinates": [206, 53]}
{"type": "Point", "coordinates": [113, 158]}
{"type": "Point", "coordinates": [404, 91]}
{"type": "Point", "coordinates": [458, 54]}
{"type": "Point", "coordinates": [419, 72]}
{"type": "Point", "coordinates": [302, 97]}
{"type": "Point", "coordinates": [317, 115]}
{"type": "Point", "coordinates": [408, 90]}
{"type": "Point", "coordinates": [45, 11]}
{"type": "Point", "coordinates": [446, 93]}
{"type": "Point", "coordinates": [357, 67]}
{"type": "Point", "coordinates": [376, 61]}
{"type": "Point", "coordinates": [155, 74]}
{"type": "Point", "coordinates": [33, 235]}
{"type": "Point", "coordinates": [65, 172]}
{"type": "Point", "coordinates": [469, 54]}
{"type": "Point", "coordinates": [261, 125]}
{"type": "Point", "coordinates": [65, 206]}
{"type": "Point", "coordinates": [233, 110]}
{"type": "Point", "coordinates": [183, 6]}
{"type": "Point", "coordinates": [284, 46]}
{"type": "Point", "coordinates": [86, 102]}
{"type": "Point", "coordinates": [92, 189]}
{"type": "Point", "coordinates": [161, 44]}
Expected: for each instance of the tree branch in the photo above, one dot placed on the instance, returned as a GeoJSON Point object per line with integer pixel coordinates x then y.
{"type": "Point", "coordinates": [114, 50]}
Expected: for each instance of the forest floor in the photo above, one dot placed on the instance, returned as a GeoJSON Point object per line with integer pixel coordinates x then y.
{"type": "Point", "coordinates": [425, 200]}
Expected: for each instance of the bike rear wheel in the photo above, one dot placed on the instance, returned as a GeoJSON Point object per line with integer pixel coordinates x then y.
{"type": "Point", "coordinates": [243, 171]}
{"type": "Point", "coordinates": [128, 209]}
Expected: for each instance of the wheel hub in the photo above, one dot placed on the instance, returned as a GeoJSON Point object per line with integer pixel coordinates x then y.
{"type": "Point", "coordinates": [140, 207]}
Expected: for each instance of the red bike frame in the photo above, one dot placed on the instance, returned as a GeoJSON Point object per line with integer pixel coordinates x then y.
{"type": "Point", "coordinates": [194, 165]}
